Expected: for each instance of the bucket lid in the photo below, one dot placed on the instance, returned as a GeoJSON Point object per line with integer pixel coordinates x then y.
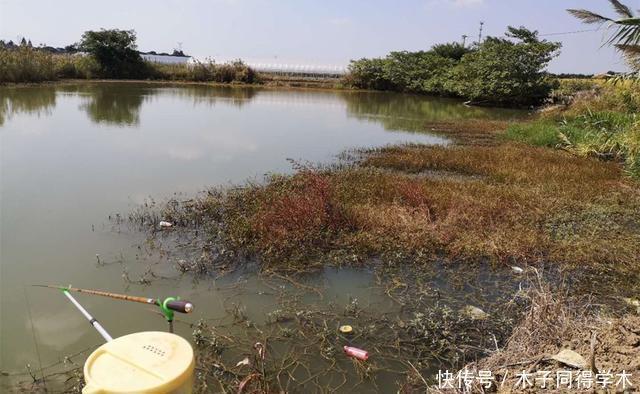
{"type": "Point", "coordinates": [140, 362]}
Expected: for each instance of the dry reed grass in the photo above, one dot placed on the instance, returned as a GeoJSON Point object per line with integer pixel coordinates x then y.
{"type": "Point", "coordinates": [504, 203]}
{"type": "Point", "coordinates": [556, 321]}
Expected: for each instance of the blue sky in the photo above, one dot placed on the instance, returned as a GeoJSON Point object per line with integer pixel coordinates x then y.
{"type": "Point", "coordinates": [328, 32]}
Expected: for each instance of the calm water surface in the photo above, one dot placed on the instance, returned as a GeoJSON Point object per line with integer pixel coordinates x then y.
{"type": "Point", "coordinates": [71, 155]}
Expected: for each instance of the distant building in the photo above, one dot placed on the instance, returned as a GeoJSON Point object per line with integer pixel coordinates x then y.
{"type": "Point", "coordinates": [165, 58]}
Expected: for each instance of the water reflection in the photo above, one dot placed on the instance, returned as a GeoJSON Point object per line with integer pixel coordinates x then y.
{"type": "Point", "coordinates": [120, 104]}
{"type": "Point", "coordinates": [202, 94]}
{"type": "Point", "coordinates": [102, 147]}
{"type": "Point", "coordinates": [23, 100]}
{"type": "Point", "coordinates": [116, 105]}
{"type": "Point", "coordinates": [410, 112]}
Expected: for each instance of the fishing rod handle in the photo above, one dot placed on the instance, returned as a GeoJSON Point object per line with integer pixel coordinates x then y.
{"type": "Point", "coordinates": [180, 306]}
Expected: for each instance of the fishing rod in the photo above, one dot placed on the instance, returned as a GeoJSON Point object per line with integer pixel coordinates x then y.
{"type": "Point", "coordinates": [167, 306]}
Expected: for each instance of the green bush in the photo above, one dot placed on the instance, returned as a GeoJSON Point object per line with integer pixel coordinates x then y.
{"type": "Point", "coordinates": [369, 74]}
{"type": "Point", "coordinates": [418, 72]}
{"type": "Point", "coordinates": [116, 53]}
{"type": "Point", "coordinates": [451, 50]}
{"type": "Point", "coordinates": [507, 72]}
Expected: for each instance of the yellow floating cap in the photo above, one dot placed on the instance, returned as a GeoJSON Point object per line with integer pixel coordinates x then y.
{"type": "Point", "coordinates": [346, 329]}
{"type": "Point", "coordinates": [144, 362]}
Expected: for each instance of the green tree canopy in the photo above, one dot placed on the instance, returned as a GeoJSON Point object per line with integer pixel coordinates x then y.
{"type": "Point", "coordinates": [116, 52]}
{"type": "Point", "coordinates": [450, 50]}
{"type": "Point", "coordinates": [508, 71]}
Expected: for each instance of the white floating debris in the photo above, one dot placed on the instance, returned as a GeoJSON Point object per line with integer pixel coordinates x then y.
{"type": "Point", "coordinates": [517, 269]}
{"type": "Point", "coordinates": [632, 302]}
{"type": "Point", "coordinates": [164, 224]}
{"type": "Point", "coordinates": [245, 361]}
{"type": "Point", "coordinates": [571, 358]}
{"type": "Point", "coordinates": [474, 313]}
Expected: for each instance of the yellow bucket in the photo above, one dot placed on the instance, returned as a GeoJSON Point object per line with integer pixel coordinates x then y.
{"type": "Point", "coordinates": [144, 362]}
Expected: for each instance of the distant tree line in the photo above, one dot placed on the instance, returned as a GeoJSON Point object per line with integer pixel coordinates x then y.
{"type": "Point", "coordinates": [74, 48]}
{"type": "Point", "coordinates": [572, 75]}
{"type": "Point", "coordinates": [506, 71]}
{"type": "Point", "coordinates": [174, 53]}
{"type": "Point", "coordinates": [111, 54]}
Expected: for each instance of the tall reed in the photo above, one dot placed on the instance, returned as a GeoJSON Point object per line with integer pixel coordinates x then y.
{"type": "Point", "coordinates": [27, 64]}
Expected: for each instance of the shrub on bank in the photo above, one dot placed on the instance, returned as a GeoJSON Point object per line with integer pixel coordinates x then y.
{"type": "Point", "coordinates": [410, 72]}
{"type": "Point", "coordinates": [507, 72]}
{"type": "Point", "coordinates": [115, 52]}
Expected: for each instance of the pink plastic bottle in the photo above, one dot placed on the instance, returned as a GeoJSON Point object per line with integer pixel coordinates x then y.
{"type": "Point", "coordinates": [356, 353]}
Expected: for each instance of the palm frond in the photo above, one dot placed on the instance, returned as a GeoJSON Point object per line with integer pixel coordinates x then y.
{"type": "Point", "coordinates": [589, 17]}
{"type": "Point", "coordinates": [632, 56]}
{"type": "Point", "coordinates": [633, 50]}
{"type": "Point", "coordinates": [628, 32]}
{"type": "Point", "coordinates": [621, 9]}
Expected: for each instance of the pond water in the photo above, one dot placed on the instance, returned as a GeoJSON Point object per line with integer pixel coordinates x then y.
{"type": "Point", "coordinates": [74, 154]}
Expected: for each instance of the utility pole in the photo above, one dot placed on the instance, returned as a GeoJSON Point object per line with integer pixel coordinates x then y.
{"type": "Point", "coordinates": [480, 33]}
{"type": "Point", "coordinates": [464, 40]}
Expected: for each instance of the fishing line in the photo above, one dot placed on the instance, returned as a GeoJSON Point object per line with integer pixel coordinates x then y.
{"type": "Point", "coordinates": [564, 33]}
{"type": "Point", "coordinates": [569, 32]}
{"type": "Point", "coordinates": [33, 333]}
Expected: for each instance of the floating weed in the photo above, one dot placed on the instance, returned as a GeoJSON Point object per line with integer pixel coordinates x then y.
{"type": "Point", "coordinates": [278, 316]}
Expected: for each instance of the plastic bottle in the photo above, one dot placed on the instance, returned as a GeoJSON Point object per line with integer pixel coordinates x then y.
{"type": "Point", "coordinates": [356, 353]}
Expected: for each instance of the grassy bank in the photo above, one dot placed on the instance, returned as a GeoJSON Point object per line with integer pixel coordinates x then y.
{"type": "Point", "coordinates": [484, 198]}
{"type": "Point", "coordinates": [509, 203]}
{"type": "Point", "coordinates": [26, 64]}
{"type": "Point", "coordinates": [31, 65]}
{"type": "Point", "coordinates": [204, 72]}
{"type": "Point", "coordinates": [601, 122]}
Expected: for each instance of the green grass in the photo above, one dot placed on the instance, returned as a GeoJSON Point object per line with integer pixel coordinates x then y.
{"type": "Point", "coordinates": [537, 133]}
{"type": "Point", "coordinates": [602, 124]}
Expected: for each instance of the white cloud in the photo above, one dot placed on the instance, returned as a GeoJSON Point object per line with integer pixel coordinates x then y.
{"type": "Point", "coordinates": [340, 21]}
{"type": "Point", "coordinates": [455, 3]}
{"type": "Point", "coordinates": [466, 3]}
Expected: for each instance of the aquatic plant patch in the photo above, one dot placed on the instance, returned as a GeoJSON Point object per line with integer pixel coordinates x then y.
{"type": "Point", "coordinates": [504, 203]}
